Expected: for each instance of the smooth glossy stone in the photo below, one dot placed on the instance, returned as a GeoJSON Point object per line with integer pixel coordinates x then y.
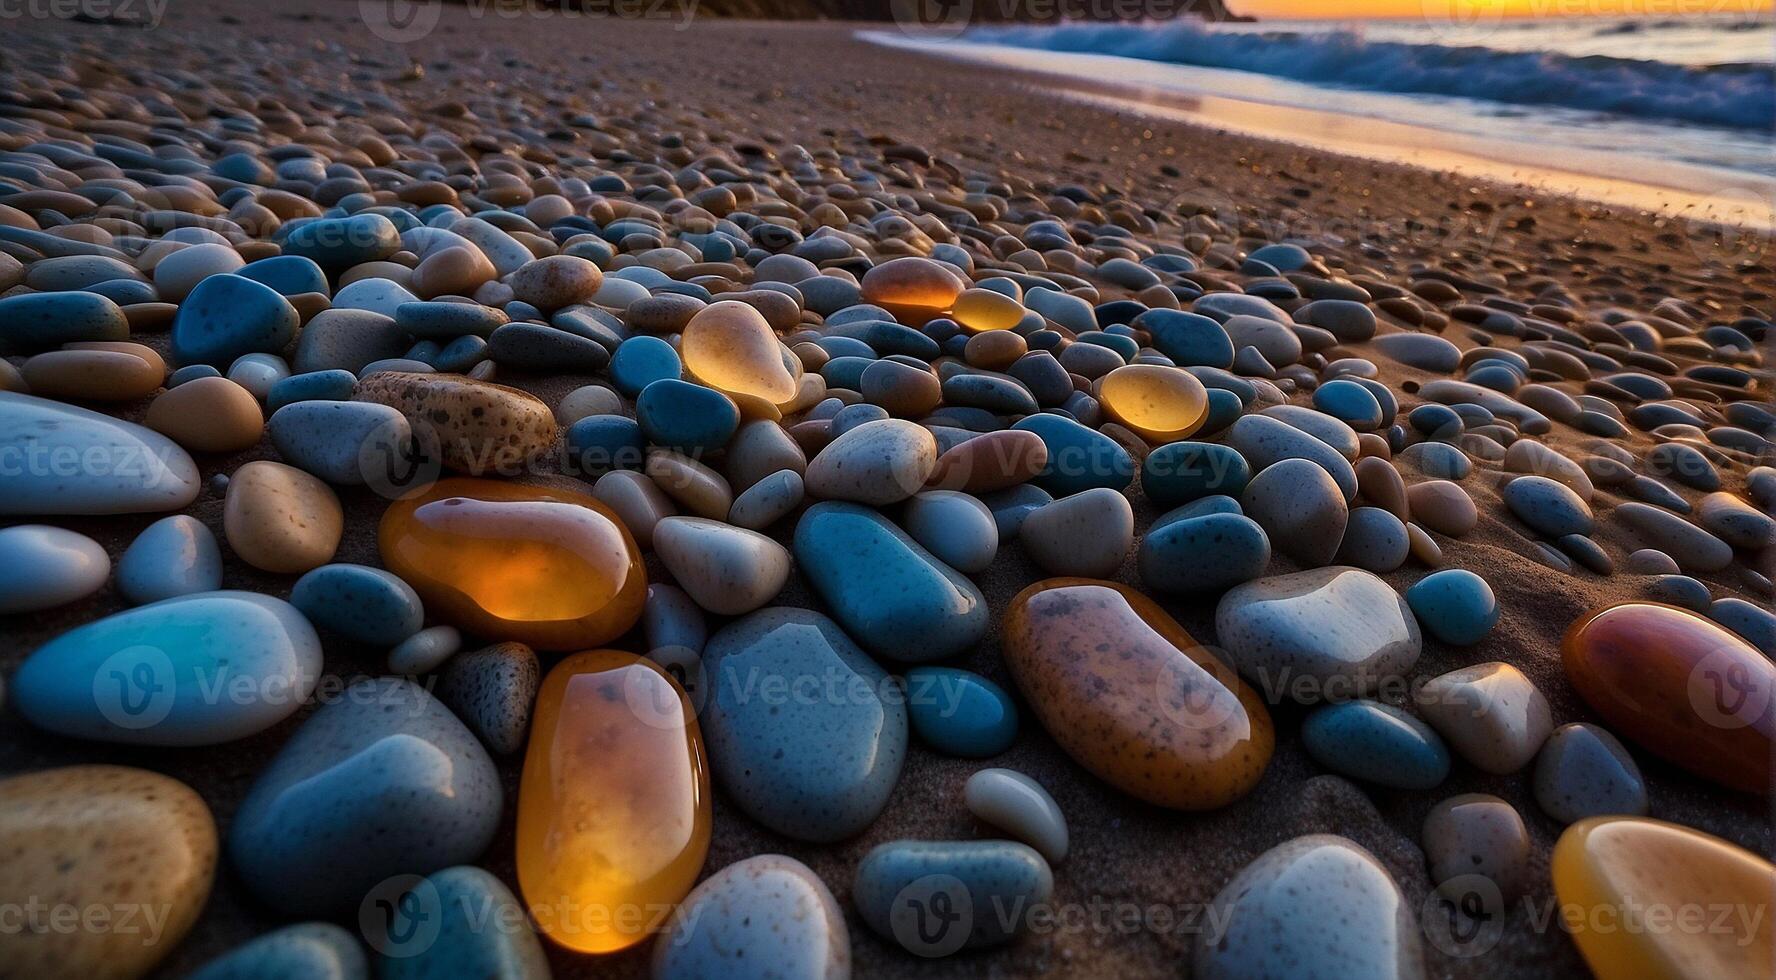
{"type": "Point", "coordinates": [337, 244]}
{"type": "Point", "coordinates": [1180, 472]}
{"type": "Point", "coordinates": [280, 519]}
{"type": "Point", "coordinates": [555, 569]}
{"type": "Point", "coordinates": [599, 444]}
{"type": "Point", "coordinates": [1265, 441]}
{"type": "Point", "coordinates": [1733, 520]}
{"type": "Point", "coordinates": [331, 385]}
{"type": "Point", "coordinates": [877, 463]}
{"type": "Point", "coordinates": [960, 713]}
{"type": "Point", "coordinates": [1204, 553]}
{"type": "Point", "coordinates": [1012, 506]}
{"type": "Point", "coordinates": [492, 691]}
{"type": "Point", "coordinates": [1085, 535]}
{"type": "Point", "coordinates": [1160, 404]}
{"type": "Point", "coordinates": [1680, 590]}
{"type": "Point", "coordinates": [1549, 507]}
{"type": "Point", "coordinates": [768, 501]}
{"type": "Point", "coordinates": [1493, 715]}
{"type": "Point", "coordinates": [424, 651]}
{"type": "Point", "coordinates": [474, 427]}
{"type": "Point", "coordinates": [912, 288]}
{"type": "Point", "coordinates": [892, 595]}
{"type": "Point", "coordinates": [1583, 771]}
{"type": "Point", "coordinates": [1341, 437]}
{"type": "Point", "coordinates": [1455, 606]}
{"type": "Point", "coordinates": [1530, 456]}
{"type": "Point", "coordinates": [730, 347]}
{"type": "Point", "coordinates": [586, 401]}
{"type": "Point", "coordinates": [1694, 549]}
{"type": "Point", "coordinates": [457, 924]}
{"type": "Point", "coordinates": [133, 846]}
{"type": "Point", "coordinates": [1376, 743]}
{"type": "Point", "coordinates": [381, 781]}
{"type": "Point", "coordinates": [174, 556]}
{"type": "Point", "coordinates": [305, 951]}
{"type": "Point", "coordinates": [1017, 804]}
{"type": "Point", "coordinates": [985, 310]}
{"type": "Point", "coordinates": [93, 375]}
{"type": "Point", "coordinates": [1189, 339]}
{"type": "Point", "coordinates": [1374, 540]}
{"type": "Point", "coordinates": [1132, 697]}
{"type": "Point", "coordinates": [956, 528]}
{"type": "Point", "coordinates": [1477, 850]}
{"type": "Point", "coordinates": [363, 604]}
{"type": "Point", "coordinates": [1350, 403]}
{"type": "Point", "coordinates": [986, 890]}
{"type": "Point", "coordinates": [194, 670]}
{"type": "Point", "coordinates": [767, 917]}
{"type": "Point", "coordinates": [671, 619]}
{"type": "Point", "coordinates": [72, 461]}
{"type": "Point", "coordinates": [345, 443]}
{"type": "Point", "coordinates": [1275, 920]}
{"type": "Point", "coordinates": [1323, 634]}
{"type": "Point", "coordinates": [1424, 548]}
{"type": "Point", "coordinates": [228, 316]}
{"type": "Point", "coordinates": [1078, 458]}
{"type": "Point", "coordinates": [990, 461]}
{"type": "Point", "coordinates": [1756, 623]}
{"type": "Point", "coordinates": [726, 569]}
{"type": "Point", "coordinates": [687, 417]}
{"type": "Point", "coordinates": [42, 321]}
{"type": "Point", "coordinates": [1650, 561]}
{"type": "Point", "coordinates": [208, 415]}
{"type": "Point", "coordinates": [614, 804]}
{"type": "Point", "coordinates": [1443, 507]}
{"type": "Point", "coordinates": [1300, 508]}
{"type": "Point", "coordinates": [1618, 871]}
{"type": "Point", "coordinates": [805, 732]}
{"type": "Point", "coordinates": [637, 500]}
{"type": "Point", "coordinates": [258, 373]}
{"type": "Point", "coordinates": [42, 567]}
{"type": "Point", "coordinates": [759, 449]}
{"type": "Point", "coordinates": [348, 340]}
{"type": "Point", "coordinates": [1679, 686]}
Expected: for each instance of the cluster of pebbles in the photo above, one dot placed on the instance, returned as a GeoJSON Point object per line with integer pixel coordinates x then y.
{"type": "Point", "coordinates": [610, 394]}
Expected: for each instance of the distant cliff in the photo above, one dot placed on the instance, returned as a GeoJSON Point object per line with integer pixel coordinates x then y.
{"type": "Point", "coordinates": [1036, 11]}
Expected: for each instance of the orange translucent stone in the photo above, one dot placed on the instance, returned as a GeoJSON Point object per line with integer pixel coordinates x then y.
{"type": "Point", "coordinates": [980, 310]}
{"type": "Point", "coordinates": [1132, 697]}
{"type": "Point", "coordinates": [613, 808]}
{"type": "Point", "coordinates": [1680, 686]}
{"type": "Point", "coordinates": [1160, 403]}
{"type": "Point", "coordinates": [729, 347]}
{"type": "Point", "coordinates": [911, 288]}
{"type": "Point", "coordinates": [552, 568]}
{"type": "Point", "coordinates": [1648, 900]}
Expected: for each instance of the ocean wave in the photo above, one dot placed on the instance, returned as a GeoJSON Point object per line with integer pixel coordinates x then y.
{"type": "Point", "coordinates": [1738, 96]}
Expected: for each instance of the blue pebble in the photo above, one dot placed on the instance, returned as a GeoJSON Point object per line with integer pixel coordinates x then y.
{"type": "Point", "coordinates": [1350, 403]}
{"type": "Point", "coordinates": [461, 923]}
{"type": "Point", "coordinates": [1438, 422]}
{"type": "Point", "coordinates": [846, 372]}
{"type": "Point", "coordinates": [1079, 458]}
{"type": "Point", "coordinates": [852, 416]}
{"type": "Point", "coordinates": [1456, 605]}
{"type": "Point", "coordinates": [290, 275]}
{"type": "Point", "coordinates": [1376, 743]}
{"type": "Point", "coordinates": [1011, 505]}
{"type": "Point", "coordinates": [598, 444]}
{"type": "Point", "coordinates": [1000, 396]}
{"type": "Point", "coordinates": [363, 604]}
{"type": "Point", "coordinates": [1225, 408]}
{"type": "Point", "coordinates": [191, 372]}
{"type": "Point", "coordinates": [125, 292]}
{"type": "Point", "coordinates": [1208, 553]}
{"type": "Point", "coordinates": [959, 712]}
{"type": "Point", "coordinates": [461, 354]}
{"type": "Point", "coordinates": [334, 385]}
{"type": "Point", "coordinates": [39, 321]}
{"type": "Point", "coordinates": [1189, 339]}
{"type": "Point", "coordinates": [1438, 460]}
{"type": "Point", "coordinates": [228, 316]}
{"type": "Point", "coordinates": [641, 361]}
{"type": "Point", "coordinates": [337, 244]}
{"type": "Point", "coordinates": [1180, 472]}
{"type": "Point", "coordinates": [684, 416]}
{"type": "Point", "coordinates": [305, 951]}
{"type": "Point", "coordinates": [1000, 882]}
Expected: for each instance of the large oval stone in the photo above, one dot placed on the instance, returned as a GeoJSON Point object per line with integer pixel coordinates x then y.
{"type": "Point", "coordinates": [889, 593]}
{"type": "Point", "coordinates": [131, 844]}
{"type": "Point", "coordinates": [1679, 686]}
{"type": "Point", "coordinates": [67, 460]}
{"type": "Point", "coordinates": [1325, 634]}
{"type": "Point", "coordinates": [1132, 697]}
{"type": "Point", "coordinates": [192, 670]}
{"type": "Point", "coordinates": [767, 915]}
{"type": "Point", "coordinates": [613, 808]}
{"type": "Point", "coordinates": [1618, 873]}
{"type": "Point", "coordinates": [805, 732]}
{"type": "Point", "coordinates": [730, 347]}
{"type": "Point", "coordinates": [552, 568]}
{"type": "Point", "coordinates": [472, 426]}
{"type": "Point", "coordinates": [934, 898]}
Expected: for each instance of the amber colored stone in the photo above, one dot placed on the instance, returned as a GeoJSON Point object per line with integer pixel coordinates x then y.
{"type": "Point", "coordinates": [1647, 900]}
{"type": "Point", "coordinates": [614, 807]}
{"type": "Point", "coordinates": [991, 461]}
{"type": "Point", "coordinates": [1160, 404]}
{"type": "Point", "coordinates": [979, 310]}
{"type": "Point", "coordinates": [1132, 697]}
{"type": "Point", "coordinates": [730, 347]}
{"type": "Point", "coordinates": [552, 568]}
{"type": "Point", "coordinates": [912, 288]}
{"type": "Point", "coordinates": [1679, 686]}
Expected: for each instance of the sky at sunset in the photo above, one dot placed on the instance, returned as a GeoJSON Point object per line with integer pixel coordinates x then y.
{"type": "Point", "coordinates": [1480, 9]}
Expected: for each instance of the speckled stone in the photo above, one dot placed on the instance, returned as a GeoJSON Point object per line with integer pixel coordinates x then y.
{"type": "Point", "coordinates": [123, 468]}
{"type": "Point", "coordinates": [877, 463]}
{"type": "Point", "coordinates": [960, 713]}
{"type": "Point", "coordinates": [280, 519]}
{"type": "Point", "coordinates": [728, 570]}
{"type": "Point", "coordinates": [42, 567]}
{"type": "Point", "coordinates": [1493, 715]}
{"type": "Point", "coordinates": [1454, 605]}
{"type": "Point", "coordinates": [767, 916]}
{"type": "Point", "coordinates": [814, 766]}
{"type": "Point", "coordinates": [1549, 507]}
{"type": "Point", "coordinates": [990, 887]}
{"type": "Point", "coordinates": [1180, 472]}
{"type": "Point", "coordinates": [1017, 804]}
{"type": "Point", "coordinates": [1324, 634]}
{"type": "Point", "coordinates": [1171, 555]}
{"type": "Point", "coordinates": [954, 526]}
{"type": "Point", "coordinates": [473, 426]}
{"type": "Point", "coordinates": [1377, 743]}
{"type": "Point", "coordinates": [1300, 508]}
{"type": "Point", "coordinates": [364, 604]}
{"type": "Point", "coordinates": [391, 783]}
{"type": "Point", "coordinates": [1126, 692]}
{"type": "Point", "coordinates": [460, 923]}
{"type": "Point", "coordinates": [305, 951]}
{"type": "Point", "coordinates": [1265, 441]}
{"type": "Point", "coordinates": [347, 443]}
{"type": "Point", "coordinates": [492, 690]}
{"type": "Point", "coordinates": [1277, 924]}
{"type": "Point", "coordinates": [1478, 851]}
{"type": "Point", "coordinates": [1077, 458]}
{"type": "Point", "coordinates": [1374, 540]}
{"type": "Point", "coordinates": [126, 841]}
{"type": "Point", "coordinates": [1087, 534]}
{"type": "Point", "coordinates": [1583, 771]}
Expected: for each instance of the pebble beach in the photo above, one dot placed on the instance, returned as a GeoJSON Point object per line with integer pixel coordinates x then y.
{"type": "Point", "coordinates": [730, 499]}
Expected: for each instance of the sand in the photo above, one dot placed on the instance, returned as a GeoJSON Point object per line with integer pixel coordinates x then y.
{"type": "Point", "coordinates": [1136, 876]}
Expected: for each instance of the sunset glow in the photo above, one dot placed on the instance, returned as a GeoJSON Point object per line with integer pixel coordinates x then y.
{"type": "Point", "coordinates": [1479, 11]}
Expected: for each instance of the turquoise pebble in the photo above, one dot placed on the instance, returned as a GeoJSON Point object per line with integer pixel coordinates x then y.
{"type": "Point", "coordinates": [935, 898]}
{"type": "Point", "coordinates": [1189, 339]}
{"type": "Point", "coordinates": [305, 951]}
{"type": "Point", "coordinates": [598, 444]}
{"type": "Point", "coordinates": [461, 923]}
{"type": "Point", "coordinates": [1180, 472]}
{"type": "Point", "coordinates": [897, 599]}
{"type": "Point", "coordinates": [1350, 403]}
{"type": "Point", "coordinates": [39, 321]}
{"type": "Point", "coordinates": [1456, 605]}
{"type": "Point", "coordinates": [1438, 460]}
{"type": "Point", "coordinates": [846, 371]}
{"type": "Point", "coordinates": [461, 354]}
{"type": "Point", "coordinates": [1201, 507]}
{"type": "Point", "coordinates": [1001, 396]}
{"type": "Point", "coordinates": [334, 385]}
{"type": "Point", "coordinates": [290, 275]}
{"type": "Point", "coordinates": [1224, 409]}
{"type": "Point", "coordinates": [337, 244]}
{"type": "Point", "coordinates": [364, 604]}
{"type": "Point", "coordinates": [226, 317]}
{"type": "Point", "coordinates": [1079, 458]}
{"type": "Point", "coordinates": [1011, 505]}
{"type": "Point", "coordinates": [1376, 743]}
{"type": "Point", "coordinates": [445, 320]}
{"type": "Point", "coordinates": [886, 337]}
{"type": "Point", "coordinates": [640, 361]}
{"type": "Point", "coordinates": [1207, 553]}
{"type": "Point", "coordinates": [687, 417]}
{"type": "Point", "coordinates": [959, 712]}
